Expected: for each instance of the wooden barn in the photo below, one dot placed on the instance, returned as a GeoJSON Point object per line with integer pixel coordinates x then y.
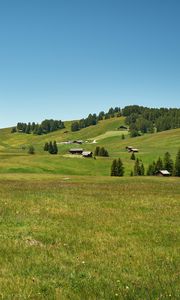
{"type": "Point", "coordinates": [163, 173]}
{"type": "Point", "coordinates": [87, 154]}
{"type": "Point", "coordinates": [76, 151]}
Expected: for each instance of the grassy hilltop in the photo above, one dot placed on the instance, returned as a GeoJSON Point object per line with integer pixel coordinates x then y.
{"type": "Point", "coordinates": [64, 235]}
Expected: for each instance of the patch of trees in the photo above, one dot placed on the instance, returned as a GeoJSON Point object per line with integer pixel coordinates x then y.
{"type": "Point", "coordinates": [148, 120]}
{"type": "Point", "coordinates": [93, 119]}
{"type": "Point", "coordinates": [101, 151]}
{"type": "Point", "coordinates": [138, 168]}
{"type": "Point", "coordinates": [117, 168]}
{"type": "Point", "coordinates": [167, 163]}
{"type": "Point", "coordinates": [51, 147]}
{"type": "Point", "coordinates": [46, 126]}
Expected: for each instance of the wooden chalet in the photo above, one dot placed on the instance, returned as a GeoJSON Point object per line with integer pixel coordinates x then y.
{"type": "Point", "coordinates": [131, 149]}
{"type": "Point", "coordinates": [87, 154]}
{"type": "Point", "coordinates": [134, 150]}
{"type": "Point", "coordinates": [163, 173]}
{"type": "Point", "coordinates": [76, 151]}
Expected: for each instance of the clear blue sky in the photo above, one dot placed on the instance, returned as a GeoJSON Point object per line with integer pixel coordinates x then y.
{"type": "Point", "coordinates": [63, 59]}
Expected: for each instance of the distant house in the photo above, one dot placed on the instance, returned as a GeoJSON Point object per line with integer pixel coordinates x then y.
{"type": "Point", "coordinates": [76, 151]}
{"type": "Point", "coordinates": [78, 142]}
{"type": "Point", "coordinates": [122, 127]}
{"type": "Point", "coordinates": [134, 150]}
{"type": "Point", "coordinates": [164, 173]}
{"type": "Point", "coordinates": [87, 154]}
{"type": "Point", "coordinates": [131, 149]}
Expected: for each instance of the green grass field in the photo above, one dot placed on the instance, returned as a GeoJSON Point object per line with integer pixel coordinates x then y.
{"type": "Point", "coordinates": [70, 231]}
{"type": "Point", "coordinates": [88, 237]}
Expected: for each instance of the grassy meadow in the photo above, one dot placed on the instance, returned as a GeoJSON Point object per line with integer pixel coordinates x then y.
{"type": "Point", "coordinates": [70, 231]}
{"type": "Point", "coordinates": [89, 238]}
{"type": "Point", "coordinates": [14, 147]}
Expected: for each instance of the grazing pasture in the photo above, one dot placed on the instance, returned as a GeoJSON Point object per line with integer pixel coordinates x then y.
{"type": "Point", "coordinates": [74, 237]}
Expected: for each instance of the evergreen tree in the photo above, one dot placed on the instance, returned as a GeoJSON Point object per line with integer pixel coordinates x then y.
{"type": "Point", "coordinates": [133, 156]}
{"type": "Point", "coordinates": [75, 126]}
{"type": "Point", "coordinates": [177, 165]}
{"type": "Point", "coordinates": [50, 148]}
{"type": "Point", "coordinates": [96, 152]}
{"type": "Point", "coordinates": [28, 128]}
{"type": "Point", "coordinates": [117, 168]}
{"type": "Point", "coordinates": [120, 168]}
{"type": "Point", "coordinates": [159, 165]}
{"type": "Point", "coordinates": [168, 163]}
{"type": "Point", "coordinates": [46, 147]}
{"type": "Point", "coordinates": [123, 136]}
{"type": "Point", "coordinates": [101, 151]}
{"type": "Point", "coordinates": [114, 168]}
{"type": "Point", "coordinates": [55, 148]}
{"type": "Point", "coordinates": [137, 168]}
{"type": "Point", "coordinates": [142, 169]}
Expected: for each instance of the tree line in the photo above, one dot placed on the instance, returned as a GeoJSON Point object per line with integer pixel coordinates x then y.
{"type": "Point", "coordinates": [44, 127]}
{"type": "Point", "coordinates": [93, 119]}
{"type": "Point", "coordinates": [148, 120]}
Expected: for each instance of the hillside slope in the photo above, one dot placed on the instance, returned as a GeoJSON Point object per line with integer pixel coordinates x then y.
{"type": "Point", "coordinates": [14, 157]}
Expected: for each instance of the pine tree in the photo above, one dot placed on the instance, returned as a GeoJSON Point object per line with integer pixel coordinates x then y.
{"type": "Point", "coordinates": [177, 165]}
{"type": "Point", "coordinates": [168, 163]}
{"type": "Point", "coordinates": [96, 152]}
{"type": "Point", "coordinates": [142, 171]}
{"type": "Point", "coordinates": [137, 168]}
{"type": "Point", "coordinates": [101, 151]}
{"type": "Point", "coordinates": [55, 148]}
{"type": "Point", "coordinates": [50, 149]}
{"type": "Point", "coordinates": [120, 168]}
{"type": "Point", "coordinates": [114, 168]}
{"type": "Point", "coordinates": [159, 165]}
{"type": "Point", "coordinates": [46, 147]}
{"type": "Point", "coordinates": [151, 169]}
{"type": "Point", "coordinates": [133, 156]}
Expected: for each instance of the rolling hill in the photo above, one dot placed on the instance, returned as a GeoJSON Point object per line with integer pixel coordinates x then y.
{"type": "Point", "coordinates": [14, 157]}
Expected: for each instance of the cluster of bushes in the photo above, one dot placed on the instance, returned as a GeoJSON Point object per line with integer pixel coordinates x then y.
{"type": "Point", "coordinates": [51, 147]}
{"type": "Point", "coordinates": [46, 126]}
{"type": "Point", "coordinates": [101, 151]}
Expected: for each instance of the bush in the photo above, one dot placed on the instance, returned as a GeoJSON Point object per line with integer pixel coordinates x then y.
{"type": "Point", "coordinates": [31, 150]}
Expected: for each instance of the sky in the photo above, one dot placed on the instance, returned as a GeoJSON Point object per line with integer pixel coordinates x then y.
{"type": "Point", "coordinates": [64, 59]}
